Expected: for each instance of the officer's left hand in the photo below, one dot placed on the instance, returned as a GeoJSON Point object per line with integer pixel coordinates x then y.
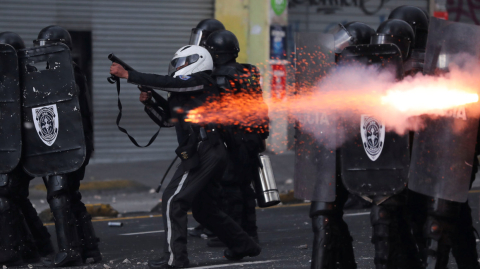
{"type": "Point", "coordinates": [118, 71]}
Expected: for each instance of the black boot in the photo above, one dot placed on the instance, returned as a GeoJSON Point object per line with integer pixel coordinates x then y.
{"type": "Point", "coordinates": [380, 218]}
{"type": "Point", "coordinates": [161, 263]}
{"type": "Point", "coordinates": [88, 238]}
{"type": "Point", "coordinates": [233, 256]}
{"type": "Point", "coordinates": [464, 247]}
{"type": "Point", "coordinates": [321, 253]}
{"type": "Point", "coordinates": [439, 231]}
{"type": "Point", "coordinates": [345, 256]}
{"type": "Point", "coordinates": [9, 237]}
{"type": "Point", "coordinates": [67, 237]}
{"type": "Point", "coordinates": [40, 234]}
{"type": "Point", "coordinates": [28, 249]}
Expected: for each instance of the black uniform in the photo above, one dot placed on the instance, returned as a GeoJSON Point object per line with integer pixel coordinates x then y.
{"type": "Point", "coordinates": [21, 231]}
{"type": "Point", "coordinates": [243, 146]}
{"type": "Point", "coordinates": [195, 183]}
{"type": "Point", "coordinates": [73, 224]}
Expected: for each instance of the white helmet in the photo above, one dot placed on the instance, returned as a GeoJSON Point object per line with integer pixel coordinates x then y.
{"type": "Point", "coordinates": [190, 59]}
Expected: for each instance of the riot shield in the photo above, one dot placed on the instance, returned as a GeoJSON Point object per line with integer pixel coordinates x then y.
{"type": "Point", "coordinates": [443, 152]}
{"type": "Point", "coordinates": [10, 110]}
{"type": "Point", "coordinates": [374, 161]}
{"type": "Point", "coordinates": [315, 131]}
{"type": "Point", "coordinates": [53, 137]}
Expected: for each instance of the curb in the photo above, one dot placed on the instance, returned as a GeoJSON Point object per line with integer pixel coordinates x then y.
{"type": "Point", "coordinates": [95, 210]}
{"type": "Point", "coordinates": [103, 185]}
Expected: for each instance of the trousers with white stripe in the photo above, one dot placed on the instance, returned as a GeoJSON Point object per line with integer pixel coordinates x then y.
{"type": "Point", "coordinates": [199, 190]}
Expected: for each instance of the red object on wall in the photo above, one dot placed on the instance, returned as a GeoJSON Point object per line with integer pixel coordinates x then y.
{"type": "Point", "coordinates": [279, 81]}
{"type": "Point", "coordinates": [441, 15]}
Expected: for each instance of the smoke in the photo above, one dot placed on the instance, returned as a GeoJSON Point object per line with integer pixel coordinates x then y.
{"type": "Point", "coordinates": [323, 108]}
{"type": "Point", "coordinates": [340, 100]}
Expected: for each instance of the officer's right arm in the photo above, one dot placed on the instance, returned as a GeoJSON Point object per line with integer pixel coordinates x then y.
{"type": "Point", "coordinates": [166, 83]}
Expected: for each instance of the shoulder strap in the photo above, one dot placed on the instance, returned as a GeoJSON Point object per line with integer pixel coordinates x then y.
{"type": "Point", "coordinates": [123, 130]}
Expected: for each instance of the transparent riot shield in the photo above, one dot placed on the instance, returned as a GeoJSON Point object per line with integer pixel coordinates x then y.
{"type": "Point", "coordinates": [53, 137]}
{"type": "Point", "coordinates": [10, 110]}
{"type": "Point", "coordinates": [443, 152]}
{"type": "Point", "coordinates": [374, 161]}
{"type": "Point", "coordinates": [315, 134]}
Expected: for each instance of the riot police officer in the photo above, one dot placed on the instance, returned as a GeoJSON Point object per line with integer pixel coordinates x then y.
{"type": "Point", "coordinates": [202, 152]}
{"type": "Point", "coordinates": [198, 37]}
{"type": "Point", "coordinates": [418, 20]}
{"type": "Point", "coordinates": [439, 197]}
{"type": "Point", "coordinates": [387, 176]}
{"type": "Point", "coordinates": [317, 163]}
{"type": "Point", "coordinates": [244, 141]}
{"type": "Point", "coordinates": [16, 210]}
{"type": "Point", "coordinates": [203, 30]}
{"type": "Point", "coordinates": [76, 237]}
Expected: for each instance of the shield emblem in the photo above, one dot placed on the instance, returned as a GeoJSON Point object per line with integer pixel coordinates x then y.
{"type": "Point", "coordinates": [46, 123]}
{"type": "Point", "coordinates": [373, 136]}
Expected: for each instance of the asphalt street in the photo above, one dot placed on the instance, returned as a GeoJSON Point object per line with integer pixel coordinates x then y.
{"type": "Point", "coordinates": [284, 231]}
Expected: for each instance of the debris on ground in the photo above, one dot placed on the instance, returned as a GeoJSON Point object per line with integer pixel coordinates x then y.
{"type": "Point", "coordinates": [106, 266]}
{"type": "Point", "coordinates": [302, 246]}
{"type": "Point", "coordinates": [289, 198]}
{"type": "Point", "coordinates": [126, 261]}
{"type": "Point", "coordinates": [95, 210]}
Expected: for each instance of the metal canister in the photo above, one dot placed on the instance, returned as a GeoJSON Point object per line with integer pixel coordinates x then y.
{"type": "Point", "coordinates": [265, 185]}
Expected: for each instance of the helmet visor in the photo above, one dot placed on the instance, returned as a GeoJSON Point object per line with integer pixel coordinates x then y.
{"type": "Point", "coordinates": [402, 43]}
{"type": "Point", "coordinates": [182, 62]}
{"type": "Point", "coordinates": [42, 42]}
{"type": "Point", "coordinates": [342, 38]}
{"type": "Point", "coordinates": [198, 37]}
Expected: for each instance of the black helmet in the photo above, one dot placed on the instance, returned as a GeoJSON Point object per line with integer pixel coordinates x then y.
{"type": "Point", "coordinates": [418, 20]}
{"type": "Point", "coordinates": [203, 30]}
{"type": "Point", "coordinates": [12, 39]}
{"type": "Point", "coordinates": [53, 34]}
{"type": "Point", "coordinates": [396, 32]}
{"type": "Point", "coordinates": [352, 33]}
{"type": "Point", "coordinates": [223, 46]}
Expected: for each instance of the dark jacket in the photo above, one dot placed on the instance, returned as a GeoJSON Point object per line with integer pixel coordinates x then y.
{"type": "Point", "coordinates": [185, 93]}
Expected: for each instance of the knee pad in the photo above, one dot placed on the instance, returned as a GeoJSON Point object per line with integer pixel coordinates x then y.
{"type": "Point", "coordinates": [380, 218]}
{"type": "Point", "coordinates": [59, 201]}
{"type": "Point", "coordinates": [4, 180]}
{"type": "Point", "coordinates": [433, 228]}
{"type": "Point", "coordinates": [322, 208]}
{"type": "Point", "coordinates": [5, 204]}
{"type": "Point", "coordinates": [56, 185]}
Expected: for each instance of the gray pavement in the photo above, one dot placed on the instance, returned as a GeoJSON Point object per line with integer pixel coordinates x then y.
{"type": "Point", "coordinates": [285, 235]}
{"type": "Point", "coordinates": [286, 241]}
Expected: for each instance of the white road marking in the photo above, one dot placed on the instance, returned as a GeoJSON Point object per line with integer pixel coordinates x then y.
{"type": "Point", "coordinates": [161, 231]}
{"type": "Point", "coordinates": [233, 264]}
{"type": "Point", "coordinates": [356, 214]}
{"type": "Point", "coordinates": [150, 232]}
